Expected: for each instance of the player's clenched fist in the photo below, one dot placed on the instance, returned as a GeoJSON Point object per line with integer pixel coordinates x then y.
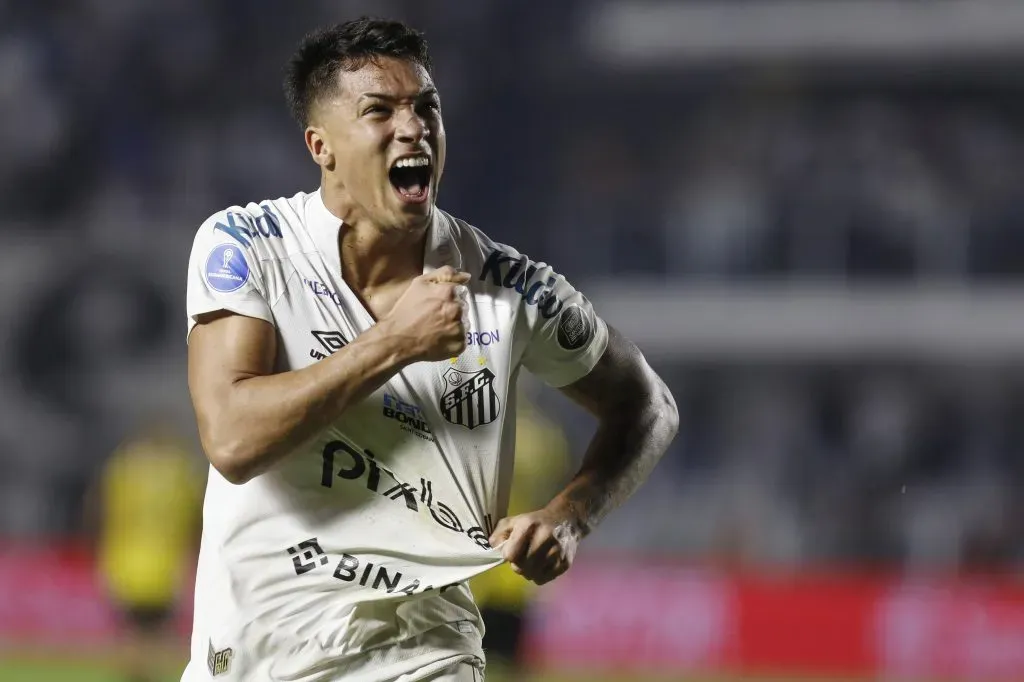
{"type": "Point", "coordinates": [540, 545]}
{"type": "Point", "coordinates": [432, 315]}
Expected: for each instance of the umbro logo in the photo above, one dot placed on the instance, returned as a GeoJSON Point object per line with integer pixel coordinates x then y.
{"type": "Point", "coordinates": [329, 342]}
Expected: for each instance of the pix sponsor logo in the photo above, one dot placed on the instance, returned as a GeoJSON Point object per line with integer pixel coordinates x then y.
{"type": "Point", "coordinates": [342, 460]}
{"type": "Point", "coordinates": [483, 338]}
{"type": "Point", "coordinates": [321, 290]}
{"type": "Point", "coordinates": [329, 341]}
{"type": "Point", "coordinates": [351, 568]}
{"type": "Point", "coordinates": [408, 415]}
{"type": "Point", "coordinates": [244, 227]}
{"type": "Point", "coordinates": [520, 274]}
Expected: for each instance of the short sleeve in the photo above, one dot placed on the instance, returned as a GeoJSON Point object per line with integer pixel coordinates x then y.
{"type": "Point", "coordinates": [224, 271]}
{"type": "Point", "coordinates": [565, 336]}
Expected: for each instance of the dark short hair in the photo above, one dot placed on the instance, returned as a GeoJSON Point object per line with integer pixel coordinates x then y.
{"type": "Point", "coordinates": [313, 69]}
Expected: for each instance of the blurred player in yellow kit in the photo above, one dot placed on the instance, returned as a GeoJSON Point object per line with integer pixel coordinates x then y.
{"type": "Point", "coordinates": [149, 500]}
{"type": "Point", "coordinates": [541, 465]}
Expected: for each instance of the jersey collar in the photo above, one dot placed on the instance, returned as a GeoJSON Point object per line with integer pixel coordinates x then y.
{"type": "Point", "coordinates": [324, 226]}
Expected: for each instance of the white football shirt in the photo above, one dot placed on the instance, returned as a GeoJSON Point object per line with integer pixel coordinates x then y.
{"type": "Point", "coordinates": [349, 557]}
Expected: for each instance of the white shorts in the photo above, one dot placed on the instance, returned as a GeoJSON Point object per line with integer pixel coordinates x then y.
{"type": "Point", "coordinates": [450, 652]}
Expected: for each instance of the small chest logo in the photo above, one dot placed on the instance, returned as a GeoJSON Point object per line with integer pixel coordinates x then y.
{"type": "Point", "coordinates": [219, 662]}
{"type": "Point", "coordinates": [471, 400]}
{"type": "Point", "coordinates": [321, 290]}
{"type": "Point", "coordinates": [329, 341]}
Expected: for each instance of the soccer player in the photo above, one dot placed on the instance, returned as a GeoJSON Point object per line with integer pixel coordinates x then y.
{"type": "Point", "coordinates": [353, 355]}
{"type": "Point", "coordinates": [147, 507]}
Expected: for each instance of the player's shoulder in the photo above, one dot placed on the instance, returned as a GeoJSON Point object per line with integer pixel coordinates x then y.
{"type": "Point", "coordinates": [265, 228]}
{"type": "Point", "coordinates": [475, 246]}
{"type": "Point", "coordinates": [500, 269]}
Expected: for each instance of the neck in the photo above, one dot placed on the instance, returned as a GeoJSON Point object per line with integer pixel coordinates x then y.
{"type": "Point", "coordinates": [373, 254]}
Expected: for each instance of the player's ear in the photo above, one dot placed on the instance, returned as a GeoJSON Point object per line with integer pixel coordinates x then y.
{"type": "Point", "coordinates": [319, 148]}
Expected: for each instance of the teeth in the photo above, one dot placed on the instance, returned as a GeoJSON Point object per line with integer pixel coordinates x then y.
{"type": "Point", "coordinates": [412, 162]}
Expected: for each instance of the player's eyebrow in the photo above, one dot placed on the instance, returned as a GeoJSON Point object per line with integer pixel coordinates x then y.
{"type": "Point", "coordinates": [423, 94]}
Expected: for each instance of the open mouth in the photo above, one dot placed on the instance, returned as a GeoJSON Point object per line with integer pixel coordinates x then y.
{"type": "Point", "coordinates": [410, 176]}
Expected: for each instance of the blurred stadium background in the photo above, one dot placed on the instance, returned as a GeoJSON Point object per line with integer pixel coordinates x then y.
{"type": "Point", "coordinates": [807, 212]}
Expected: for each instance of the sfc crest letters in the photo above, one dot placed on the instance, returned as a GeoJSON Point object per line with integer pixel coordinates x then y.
{"type": "Point", "coordinates": [470, 400]}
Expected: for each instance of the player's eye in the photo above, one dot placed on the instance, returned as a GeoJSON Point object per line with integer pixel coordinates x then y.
{"type": "Point", "coordinates": [376, 110]}
{"type": "Point", "coordinates": [432, 106]}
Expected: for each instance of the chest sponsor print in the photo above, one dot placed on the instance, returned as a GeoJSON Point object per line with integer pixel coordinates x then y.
{"type": "Point", "coordinates": [351, 463]}
{"type": "Point", "coordinates": [408, 415]}
{"type": "Point", "coordinates": [483, 338]}
{"type": "Point", "coordinates": [470, 399]}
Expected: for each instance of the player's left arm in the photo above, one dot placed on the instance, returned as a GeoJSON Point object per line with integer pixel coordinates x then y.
{"type": "Point", "coordinates": [606, 374]}
{"type": "Point", "coordinates": [637, 420]}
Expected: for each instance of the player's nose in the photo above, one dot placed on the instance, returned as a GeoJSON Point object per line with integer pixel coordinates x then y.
{"type": "Point", "coordinates": [412, 128]}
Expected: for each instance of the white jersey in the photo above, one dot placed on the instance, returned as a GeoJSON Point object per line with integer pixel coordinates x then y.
{"type": "Point", "coordinates": [348, 559]}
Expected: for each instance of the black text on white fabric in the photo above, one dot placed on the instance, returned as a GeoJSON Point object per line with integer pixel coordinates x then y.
{"type": "Point", "coordinates": [307, 555]}
{"type": "Point", "coordinates": [376, 576]}
{"type": "Point", "coordinates": [341, 460]}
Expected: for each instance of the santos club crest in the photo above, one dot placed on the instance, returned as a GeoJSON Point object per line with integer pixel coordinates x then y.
{"type": "Point", "coordinates": [470, 400]}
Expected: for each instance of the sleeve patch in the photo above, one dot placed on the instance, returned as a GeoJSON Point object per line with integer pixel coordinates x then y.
{"type": "Point", "coordinates": [226, 268]}
{"type": "Point", "coordinates": [574, 329]}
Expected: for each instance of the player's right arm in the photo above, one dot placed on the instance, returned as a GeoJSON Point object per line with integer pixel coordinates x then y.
{"type": "Point", "coordinates": [250, 417]}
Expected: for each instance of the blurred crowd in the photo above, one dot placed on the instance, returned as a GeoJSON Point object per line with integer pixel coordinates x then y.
{"type": "Point", "coordinates": [865, 183]}
{"type": "Point", "coordinates": [900, 464]}
{"type": "Point", "coordinates": [125, 124]}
